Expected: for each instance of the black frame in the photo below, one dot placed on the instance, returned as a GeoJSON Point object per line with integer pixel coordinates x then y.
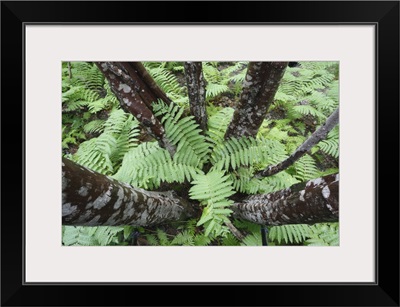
{"type": "Point", "coordinates": [383, 14]}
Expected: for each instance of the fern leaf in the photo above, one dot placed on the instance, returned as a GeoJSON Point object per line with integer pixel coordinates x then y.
{"type": "Point", "coordinates": [213, 90]}
{"type": "Point", "coordinates": [306, 168]}
{"type": "Point", "coordinates": [78, 235]}
{"type": "Point", "coordinates": [192, 148]}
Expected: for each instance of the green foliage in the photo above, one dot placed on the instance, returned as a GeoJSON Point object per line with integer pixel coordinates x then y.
{"type": "Point", "coordinates": [85, 97]}
{"type": "Point", "coordinates": [331, 144]}
{"type": "Point", "coordinates": [192, 148]}
{"type": "Point", "coordinates": [212, 190]}
{"type": "Point", "coordinates": [148, 165]}
{"type": "Point", "coordinates": [223, 80]}
{"type": "Point", "coordinates": [89, 236]}
{"type": "Point", "coordinates": [210, 168]}
{"type": "Point", "coordinates": [324, 234]}
{"type": "Point", "coordinates": [295, 233]}
{"type": "Point", "coordinates": [187, 235]}
{"type": "Point", "coordinates": [167, 80]}
{"type": "Point", "coordinates": [217, 125]}
{"type": "Point", "coordinates": [306, 169]}
{"type": "Point", "coordinates": [104, 153]}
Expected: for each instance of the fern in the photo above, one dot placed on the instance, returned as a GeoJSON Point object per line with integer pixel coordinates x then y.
{"type": "Point", "coordinates": [148, 165]}
{"type": "Point", "coordinates": [106, 235]}
{"type": "Point", "coordinates": [213, 190]}
{"type": "Point", "coordinates": [104, 153]}
{"type": "Point", "coordinates": [331, 144]}
{"type": "Point", "coordinates": [91, 236]}
{"type": "Point", "coordinates": [95, 154]}
{"type": "Point", "coordinates": [324, 234]}
{"type": "Point", "coordinates": [294, 233]}
{"type": "Point", "coordinates": [306, 168]}
{"type": "Point", "coordinates": [253, 239]}
{"type": "Point", "coordinates": [184, 238]}
{"type": "Point", "coordinates": [167, 81]}
{"type": "Point", "coordinates": [247, 151]}
{"type": "Point", "coordinates": [217, 125]}
{"type": "Point", "coordinates": [95, 126]}
{"type": "Point", "coordinates": [192, 148]}
{"type": "Point", "coordinates": [307, 110]}
{"type": "Point", "coordinates": [214, 89]}
{"type": "Point", "coordinates": [73, 235]}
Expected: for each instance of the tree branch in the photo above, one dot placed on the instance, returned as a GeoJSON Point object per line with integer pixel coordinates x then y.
{"type": "Point", "coordinates": [136, 97]}
{"type": "Point", "coordinates": [259, 88]}
{"type": "Point", "coordinates": [316, 137]}
{"type": "Point", "coordinates": [315, 201]}
{"type": "Point", "coordinates": [196, 90]}
{"type": "Point", "coordinates": [92, 199]}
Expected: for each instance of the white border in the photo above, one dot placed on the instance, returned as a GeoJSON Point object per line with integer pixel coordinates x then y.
{"type": "Point", "coordinates": [48, 261]}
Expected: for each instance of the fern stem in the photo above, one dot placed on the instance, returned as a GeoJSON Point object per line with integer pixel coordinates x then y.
{"type": "Point", "coordinates": [315, 138]}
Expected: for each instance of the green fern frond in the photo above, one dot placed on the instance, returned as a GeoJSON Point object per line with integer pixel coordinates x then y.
{"type": "Point", "coordinates": [184, 238]}
{"type": "Point", "coordinates": [324, 234]}
{"type": "Point", "coordinates": [218, 123]}
{"type": "Point", "coordinates": [307, 110]}
{"type": "Point", "coordinates": [247, 151]}
{"type": "Point", "coordinates": [87, 74]}
{"type": "Point", "coordinates": [202, 240]}
{"type": "Point", "coordinates": [211, 187]}
{"type": "Point", "coordinates": [95, 153]}
{"type": "Point", "coordinates": [211, 73]}
{"type": "Point", "coordinates": [106, 235]}
{"type": "Point", "coordinates": [192, 148]}
{"type": "Point", "coordinates": [148, 165]}
{"type": "Point", "coordinates": [331, 147]}
{"type": "Point", "coordinates": [166, 80]}
{"type": "Point", "coordinates": [95, 126]}
{"type": "Point", "coordinates": [253, 239]}
{"type": "Point", "coordinates": [294, 233]}
{"type": "Point", "coordinates": [306, 168]}
{"type": "Point", "coordinates": [213, 190]}
{"type": "Point", "coordinates": [331, 144]}
{"type": "Point", "coordinates": [152, 239]}
{"type": "Point", "coordinates": [214, 89]}
{"type": "Point", "coordinates": [244, 182]}
{"type": "Point", "coordinates": [78, 235]}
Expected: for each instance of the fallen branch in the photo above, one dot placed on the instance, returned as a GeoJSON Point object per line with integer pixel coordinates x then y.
{"type": "Point", "coordinates": [314, 139]}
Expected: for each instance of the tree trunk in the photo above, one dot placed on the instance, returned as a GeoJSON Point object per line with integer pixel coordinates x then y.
{"type": "Point", "coordinates": [310, 202]}
{"type": "Point", "coordinates": [92, 199]}
{"type": "Point", "coordinates": [259, 88]}
{"type": "Point", "coordinates": [197, 92]}
{"type": "Point", "coordinates": [136, 91]}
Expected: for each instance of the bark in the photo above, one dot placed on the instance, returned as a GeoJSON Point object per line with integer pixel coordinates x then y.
{"type": "Point", "coordinates": [259, 88]}
{"type": "Point", "coordinates": [92, 199]}
{"type": "Point", "coordinates": [196, 91]}
{"type": "Point", "coordinates": [136, 92]}
{"type": "Point", "coordinates": [315, 201]}
{"type": "Point", "coordinates": [316, 137]}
